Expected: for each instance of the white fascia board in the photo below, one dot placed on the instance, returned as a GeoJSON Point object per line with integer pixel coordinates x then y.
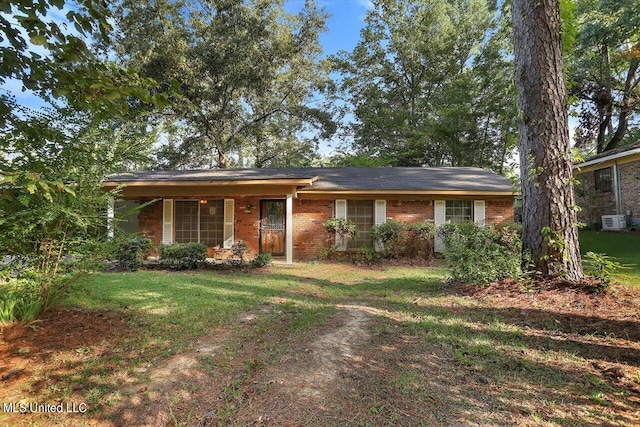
{"type": "Point", "coordinates": [607, 158]}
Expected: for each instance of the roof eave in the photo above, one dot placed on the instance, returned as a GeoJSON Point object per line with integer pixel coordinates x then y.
{"type": "Point", "coordinates": [411, 192]}
{"type": "Point", "coordinates": [635, 151]}
{"type": "Point", "coordinates": [209, 183]}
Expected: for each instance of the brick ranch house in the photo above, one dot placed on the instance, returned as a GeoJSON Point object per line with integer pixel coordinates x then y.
{"type": "Point", "coordinates": [610, 186]}
{"type": "Point", "coordinates": [282, 211]}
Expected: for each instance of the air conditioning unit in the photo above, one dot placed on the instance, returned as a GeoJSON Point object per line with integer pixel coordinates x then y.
{"type": "Point", "coordinates": [614, 222]}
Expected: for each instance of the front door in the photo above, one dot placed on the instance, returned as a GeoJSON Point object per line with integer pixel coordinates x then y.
{"type": "Point", "coordinates": [272, 226]}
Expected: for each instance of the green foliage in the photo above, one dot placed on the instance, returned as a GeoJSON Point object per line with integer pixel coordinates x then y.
{"type": "Point", "coordinates": [390, 235]}
{"type": "Point", "coordinates": [405, 240]}
{"type": "Point", "coordinates": [130, 250]}
{"type": "Point", "coordinates": [180, 256]}
{"type": "Point", "coordinates": [53, 160]}
{"type": "Point", "coordinates": [480, 255]}
{"type": "Point", "coordinates": [262, 260]}
{"type": "Point", "coordinates": [601, 267]}
{"type": "Point", "coordinates": [430, 82]}
{"type": "Point", "coordinates": [243, 78]}
{"type": "Point", "coordinates": [24, 297]}
{"type": "Point", "coordinates": [604, 71]}
{"type": "Point", "coordinates": [419, 240]}
{"type": "Point", "coordinates": [344, 229]}
{"type": "Point", "coordinates": [238, 252]}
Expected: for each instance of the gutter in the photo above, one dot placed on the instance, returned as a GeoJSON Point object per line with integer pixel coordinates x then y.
{"type": "Point", "coordinates": [607, 158]}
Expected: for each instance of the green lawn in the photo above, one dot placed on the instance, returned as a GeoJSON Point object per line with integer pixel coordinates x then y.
{"type": "Point", "coordinates": [432, 356]}
{"type": "Point", "coordinates": [625, 248]}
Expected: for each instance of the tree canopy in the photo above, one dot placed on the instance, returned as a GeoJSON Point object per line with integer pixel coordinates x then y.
{"type": "Point", "coordinates": [605, 72]}
{"type": "Point", "coordinates": [243, 77]}
{"type": "Point", "coordinates": [430, 83]}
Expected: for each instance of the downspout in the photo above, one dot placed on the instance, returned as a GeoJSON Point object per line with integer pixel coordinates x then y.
{"type": "Point", "coordinates": [616, 188]}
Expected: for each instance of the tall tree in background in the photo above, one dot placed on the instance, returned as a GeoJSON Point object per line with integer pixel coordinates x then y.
{"type": "Point", "coordinates": [429, 83]}
{"type": "Point", "coordinates": [606, 72]}
{"type": "Point", "coordinates": [550, 232]}
{"type": "Point", "coordinates": [244, 75]}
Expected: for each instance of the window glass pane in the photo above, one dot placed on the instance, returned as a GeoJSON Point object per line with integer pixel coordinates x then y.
{"type": "Point", "coordinates": [212, 222]}
{"type": "Point", "coordinates": [361, 213]}
{"type": "Point", "coordinates": [602, 180]}
{"type": "Point", "coordinates": [186, 221]}
{"type": "Point", "coordinates": [458, 211]}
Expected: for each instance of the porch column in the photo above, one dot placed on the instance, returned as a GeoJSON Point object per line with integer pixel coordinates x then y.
{"type": "Point", "coordinates": [110, 216]}
{"type": "Point", "coordinates": [289, 230]}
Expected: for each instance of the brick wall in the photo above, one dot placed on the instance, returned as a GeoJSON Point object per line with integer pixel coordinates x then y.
{"type": "Point", "coordinates": [309, 236]}
{"type": "Point", "coordinates": [498, 211]}
{"type": "Point", "coordinates": [630, 188]}
{"type": "Point", "coordinates": [150, 222]}
{"type": "Point", "coordinates": [410, 211]}
{"type": "Point", "coordinates": [594, 204]}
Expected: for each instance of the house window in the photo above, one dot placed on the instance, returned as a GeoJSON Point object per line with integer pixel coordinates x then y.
{"type": "Point", "coordinates": [361, 213]}
{"type": "Point", "coordinates": [603, 180]}
{"type": "Point", "coordinates": [458, 211]}
{"type": "Point", "coordinates": [199, 221]}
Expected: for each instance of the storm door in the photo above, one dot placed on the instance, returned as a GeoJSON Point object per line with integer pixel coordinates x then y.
{"type": "Point", "coordinates": [272, 226]}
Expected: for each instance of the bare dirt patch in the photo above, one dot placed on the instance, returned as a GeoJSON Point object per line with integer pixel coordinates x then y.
{"type": "Point", "coordinates": [35, 357]}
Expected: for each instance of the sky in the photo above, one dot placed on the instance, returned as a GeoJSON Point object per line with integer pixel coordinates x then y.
{"type": "Point", "coordinates": [344, 24]}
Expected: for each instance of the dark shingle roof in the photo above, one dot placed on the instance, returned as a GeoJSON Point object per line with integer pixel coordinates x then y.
{"type": "Point", "coordinates": [622, 149]}
{"type": "Point", "coordinates": [342, 179]}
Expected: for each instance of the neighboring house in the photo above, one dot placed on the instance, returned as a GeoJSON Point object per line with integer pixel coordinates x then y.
{"type": "Point", "coordinates": [282, 211]}
{"type": "Point", "coordinates": [610, 186]}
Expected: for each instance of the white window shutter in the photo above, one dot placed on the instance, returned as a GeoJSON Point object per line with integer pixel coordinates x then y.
{"type": "Point", "coordinates": [479, 212]}
{"type": "Point", "coordinates": [439, 212]}
{"type": "Point", "coordinates": [341, 213]}
{"type": "Point", "coordinates": [380, 212]}
{"type": "Point", "coordinates": [380, 217]}
{"type": "Point", "coordinates": [167, 221]}
{"type": "Point", "coordinates": [229, 206]}
{"type": "Point", "coordinates": [439, 218]}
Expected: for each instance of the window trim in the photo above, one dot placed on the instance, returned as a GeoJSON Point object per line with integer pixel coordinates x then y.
{"type": "Point", "coordinates": [373, 223]}
{"type": "Point", "coordinates": [471, 210]}
{"type": "Point", "coordinates": [596, 175]}
{"type": "Point", "coordinates": [221, 244]}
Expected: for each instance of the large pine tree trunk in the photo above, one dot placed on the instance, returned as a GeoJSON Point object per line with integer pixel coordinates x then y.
{"type": "Point", "coordinates": [550, 234]}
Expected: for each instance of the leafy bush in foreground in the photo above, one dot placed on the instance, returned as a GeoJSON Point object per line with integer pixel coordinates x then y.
{"type": "Point", "coordinates": [481, 255]}
{"type": "Point", "coordinates": [404, 240]}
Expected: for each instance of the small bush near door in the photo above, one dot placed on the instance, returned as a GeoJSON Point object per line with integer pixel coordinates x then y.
{"type": "Point", "coordinates": [129, 252]}
{"type": "Point", "coordinates": [262, 260]}
{"type": "Point", "coordinates": [182, 256]}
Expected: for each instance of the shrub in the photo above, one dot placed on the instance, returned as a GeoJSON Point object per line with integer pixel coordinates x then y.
{"type": "Point", "coordinates": [405, 240]}
{"type": "Point", "coordinates": [181, 256]}
{"type": "Point", "coordinates": [238, 251]}
{"type": "Point", "coordinates": [262, 260]}
{"type": "Point", "coordinates": [481, 255]}
{"type": "Point", "coordinates": [130, 251]}
{"type": "Point", "coordinates": [24, 297]}
{"type": "Point", "coordinates": [391, 236]}
{"type": "Point", "coordinates": [344, 229]}
{"type": "Point", "coordinates": [601, 267]}
{"type": "Point", "coordinates": [419, 240]}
